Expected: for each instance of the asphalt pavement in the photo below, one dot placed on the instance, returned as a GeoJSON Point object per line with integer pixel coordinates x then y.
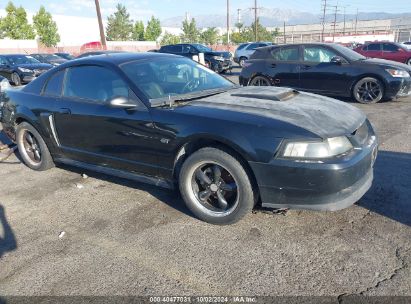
{"type": "Point", "coordinates": [62, 234]}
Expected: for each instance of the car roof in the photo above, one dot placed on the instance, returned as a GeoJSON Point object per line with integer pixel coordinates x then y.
{"type": "Point", "coordinates": [120, 58]}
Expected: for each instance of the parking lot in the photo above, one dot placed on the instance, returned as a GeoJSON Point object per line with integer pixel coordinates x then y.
{"type": "Point", "coordinates": [63, 234]}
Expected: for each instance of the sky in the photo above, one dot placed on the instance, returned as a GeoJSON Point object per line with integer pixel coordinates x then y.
{"type": "Point", "coordinates": [143, 9]}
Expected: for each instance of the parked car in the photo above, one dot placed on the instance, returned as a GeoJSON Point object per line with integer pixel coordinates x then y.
{"type": "Point", "coordinates": [407, 44]}
{"type": "Point", "coordinates": [66, 56]}
{"type": "Point", "coordinates": [167, 120]}
{"type": "Point", "coordinates": [386, 50]}
{"type": "Point", "coordinates": [96, 53]}
{"type": "Point", "coordinates": [20, 69]}
{"type": "Point", "coordinates": [244, 51]}
{"type": "Point", "coordinates": [217, 61]}
{"type": "Point", "coordinates": [4, 84]}
{"type": "Point", "coordinates": [49, 58]}
{"type": "Point", "coordinates": [327, 69]}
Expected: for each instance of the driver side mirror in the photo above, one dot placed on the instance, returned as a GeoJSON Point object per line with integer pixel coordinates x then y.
{"type": "Point", "coordinates": [121, 102]}
{"type": "Point", "coordinates": [337, 60]}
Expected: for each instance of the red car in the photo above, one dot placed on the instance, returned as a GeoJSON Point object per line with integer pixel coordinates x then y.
{"type": "Point", "coordinates": [386, 50]}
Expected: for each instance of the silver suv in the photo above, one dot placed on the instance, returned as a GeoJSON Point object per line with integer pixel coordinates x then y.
{"type": "Point", "coordinates": [245, 50]}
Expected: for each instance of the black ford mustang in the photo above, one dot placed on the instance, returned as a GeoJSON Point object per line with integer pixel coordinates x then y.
{"type": "Point", "coordinates": [327, 69]}
{"type": "Point", "coordinates": [166, 120]}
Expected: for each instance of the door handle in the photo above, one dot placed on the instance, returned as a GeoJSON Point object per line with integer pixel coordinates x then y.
{"type": "Point", "coordinates": [65, 111]}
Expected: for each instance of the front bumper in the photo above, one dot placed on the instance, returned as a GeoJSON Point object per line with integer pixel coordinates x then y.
{"type": "Point", "coordinates": [326, 186]}
{"type": "Point", "coordinates": [399, 88]}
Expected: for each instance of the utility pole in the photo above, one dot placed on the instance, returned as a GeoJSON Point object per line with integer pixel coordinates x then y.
{"type": "Point", "coordinates": [335, 20]}
{"type": "Point", "coordinates": [323, 19]}
{"type": "Point", "coordinates": [238, 15]}
{"type": "Point", "coordinates": [285, 39]}
{"type": "Point", "coordinates": [101, 27]}
{"type": "Point", "coordinates": [356, 22]}
{"type": "Point", "coordinates": [228, 24]}
{"type": "Point", "coordinates": [344, 22]}
{"type": "Point", "coordinates": [255, 8]}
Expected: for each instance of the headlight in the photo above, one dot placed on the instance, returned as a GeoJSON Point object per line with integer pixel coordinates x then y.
{"type": "Point", "coordinates": [398, 73]}
{"type": "Point", "coordinates": [324, 149]}
{"type": "Point", "coordinates": [219, 58]}
{"type": "Point", "coordinates": [4, 85]}
{"type": "Point", "coordinates": [24, 70]}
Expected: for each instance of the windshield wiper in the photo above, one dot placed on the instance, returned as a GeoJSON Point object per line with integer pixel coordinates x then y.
{"type": "Point", "coordinates": [170, 100]}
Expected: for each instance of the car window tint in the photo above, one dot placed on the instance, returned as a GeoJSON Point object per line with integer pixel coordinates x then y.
{"type": "Point", "coordinates": [187, 49]}
{"type": "Point", "coordinates": [241, 46]}
{"type": "Point", "coordinates": [174, 48]}
{"type": "Point", "coordinates": [285, 54]}
{"type": "Point", "coordinates": [374, 47]}
{"type": "Point", "coordinates": [389, 47]}
{"type": "Point", "coordinates": [3, 61]}
{"type": "Point", "coordinates": [252, 46]}
{"type": "Point", "coordinates": [54, 84]}
{"type": "Point", "coordinates": [94, 83]}
{"type": "Point", "coordinates": [318, 54]}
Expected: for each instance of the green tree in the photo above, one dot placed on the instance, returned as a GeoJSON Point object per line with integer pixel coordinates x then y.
{"type": "Point", "coordinates": [169, 38]}
{"type": "Point", "coordinates": [15, 24]}
{"type": "Point", "coordinates": [119, 25]}
{"type": "Point", "coordinates": [153, 29]}
{"type": "Point", "coordinates": [190, 31]}
{"type": "Point", "coordinates": [46, 28]}
{"type": "Point", "coordinates": [209, 36]}
{"type": "Point", "coordinates": [138, 31]}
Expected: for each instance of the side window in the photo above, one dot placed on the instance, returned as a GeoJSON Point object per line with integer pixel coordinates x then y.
{"type": "Point", "coordinates": [252, 46]}
{"type": "Point", "coordinates": [54, 84]}
{"type": "Point", "coordinates": [94, 83]}
{"type": "Point", "coordinates": [285, 54]}
{"type": "Point", "coordinates": [388, 47]}
{"type": "Point", "coordinates": [175, 48]}
{"type": "Point", "coordinates": [318, 54]}
{"type": "Point", "coordinates": [3, 61]}
{"type": "Point", "coordinates": [374, 47]}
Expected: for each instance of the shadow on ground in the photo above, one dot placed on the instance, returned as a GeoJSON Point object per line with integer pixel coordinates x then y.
{"type": "Point", "coordinates": [390, 194]}
{"type": "Point", "coordinates": [7, 238]}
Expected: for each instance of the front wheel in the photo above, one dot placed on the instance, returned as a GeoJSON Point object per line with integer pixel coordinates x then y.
{"type": "Point", "coordinates": [242, 61]}
{"type": "Point", "coordinates": [216, 187]}
{"type": "Point", "coordinates": [409, 61]}
{"type": "Point", "coordinates": [368, 90]}
{"type": "Point", "coordinates": [15, 78]}
{"type": "Point", "coordinates": [32, 148]}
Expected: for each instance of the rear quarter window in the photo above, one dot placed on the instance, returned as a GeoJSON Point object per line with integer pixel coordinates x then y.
{"type": "Point", "coordinates": [54, 84]}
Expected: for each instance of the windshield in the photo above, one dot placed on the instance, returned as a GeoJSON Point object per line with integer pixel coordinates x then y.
{"type": "Point", "coordinates": [21, 59]}
{"type": "Point", "coordinates": [169, 77]}
{"type": "Point", "coordinates": [202, 48]}
{"type": "Point", "coordinates": [51, 57]}
{"type": "Point", "coordinates": [348, 53]}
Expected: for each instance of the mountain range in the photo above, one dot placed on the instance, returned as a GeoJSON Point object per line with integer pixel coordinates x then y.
{"type": "Point", "coordinates": [276, 17]}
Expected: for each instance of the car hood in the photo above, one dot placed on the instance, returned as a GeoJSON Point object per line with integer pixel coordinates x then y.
{"type": "Point", "coordinates": [35, 66]}
{"type": "Point", "coordinates": [323, 116]}
{"type": "Point", "coordinates": [389, 63]}
{"type": "Point", "coordinates": [221, 54]}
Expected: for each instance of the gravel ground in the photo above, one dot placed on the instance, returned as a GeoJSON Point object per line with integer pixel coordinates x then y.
{"type": "Point", "coordinates": [61, 234]}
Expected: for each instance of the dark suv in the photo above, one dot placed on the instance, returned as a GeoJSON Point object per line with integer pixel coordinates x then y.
{"type": "Point", "coordinates": [217, 61]}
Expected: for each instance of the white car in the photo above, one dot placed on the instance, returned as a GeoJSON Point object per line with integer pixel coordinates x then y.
{"type": "Point", "coordinates": [407, 44]}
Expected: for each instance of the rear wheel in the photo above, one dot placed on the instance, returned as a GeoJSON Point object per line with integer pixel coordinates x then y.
{"type": "Point", "coordinates": [32, 148]}
{"type": "Point", "coordinates": [15, 78]}
{"type": "Point", "coordinates": [368, 90]}
{"type": "Point", "coordinates": [216, 187]}
{"type": "Point", "coordinates": [260, 81]}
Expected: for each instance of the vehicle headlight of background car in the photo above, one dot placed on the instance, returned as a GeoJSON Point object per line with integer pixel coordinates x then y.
{"type": "Point", "coordinates": [317, 149]}
{"type": "Point", "coordinates": [398, 73]}
{"type": "Point", "coordinates": [219, 58]}
{"type": "Point", "coordinates": [24, 70]}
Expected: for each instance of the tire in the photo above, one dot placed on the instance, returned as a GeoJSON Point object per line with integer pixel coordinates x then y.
{"type": "Point", "coordinates": [368, 90]}
{"type": "Point", "coordinates": [226, 197]}
{"type": "Point", "coordinates": [32, 148]}
{"type": "Point", "coordinates": [241, 61]}
{"type": "Point", "coordinates": [409, 61]}
{"type": "Point", "coordinates": [260, 81]}
{"type": "Point", "coordinates": [15, 78]}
